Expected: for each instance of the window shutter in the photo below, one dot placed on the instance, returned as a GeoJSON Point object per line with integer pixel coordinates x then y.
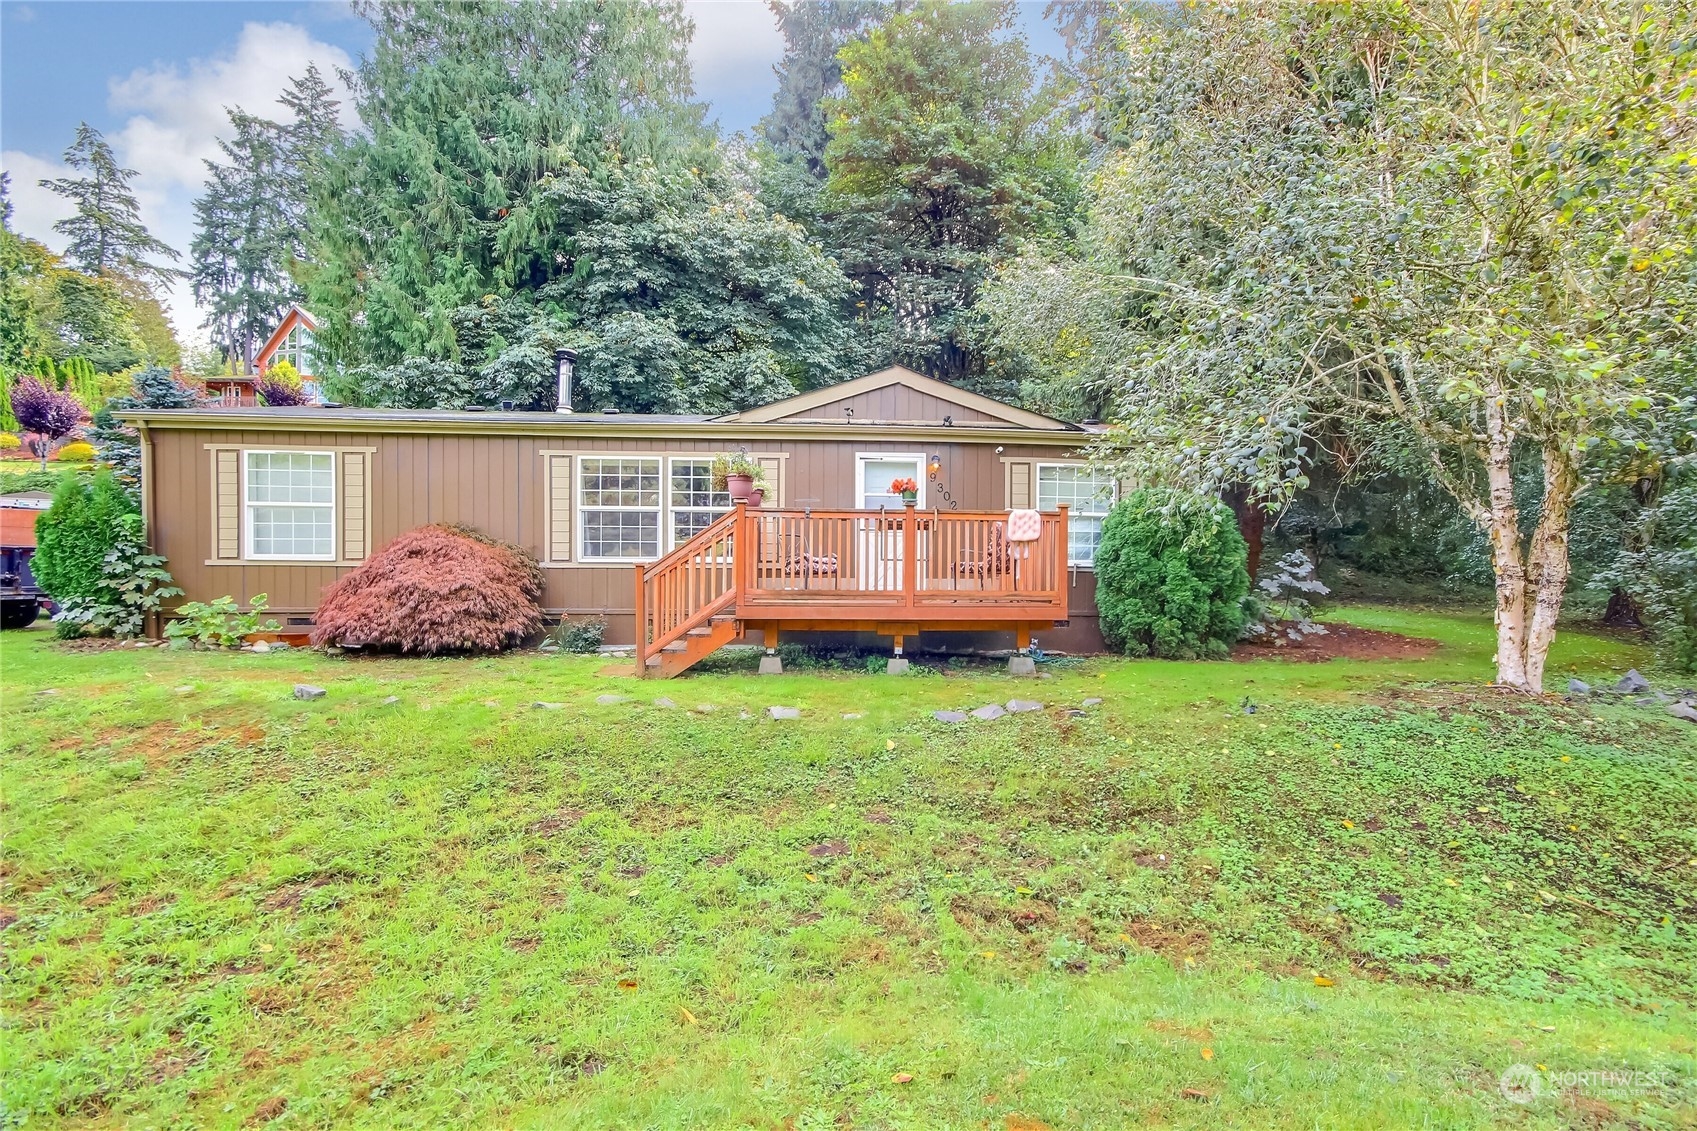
{"type": "Point", "coordinates": [1021, 491]}
{"type": "Point", "coordinates": [355, 505]}
{"type": "Point", "coordinates": [226, 504]}
{"type": "Point", "coordinates": [773, 467]}
{"type": "Point", "coordinates": [558, 500]}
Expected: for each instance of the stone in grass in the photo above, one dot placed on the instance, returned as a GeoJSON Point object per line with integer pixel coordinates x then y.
{"type": "Point", "coordinates": [784, 712]}
{"type": "Point", "coordinates": [1019, 706]}
{"type": "Point", "coordinates": [989, 711]}
{"type": "Point", "coordinates": [187, 688]}
{"type": "Point", "coordinates": [307, 691]}
{"type": "Point", "coordinates": [391, 700]}
{"type": "Point", "coordinates": [1578, 687]}
{"type": "Point", "coordinates": [541, 706]}
{"type": "Point", "coordinates": [1683, 711]}
{"type": "Point", "coordinates": [610, 700]}
{"type": "Point", "coordinates": [852, 715]}
{"type": "Point", "coordinates": [1092, 702]}
{"type": "Point", "coordinates": [949, 716]}
{"type": "Point", "coordinates": [705, 708]}
{"type": "Point", "coordinates": [664, 702]}
{"type": "Point", "coordinates": [1632, 683]}
{"type": "Point", "coordinates": [261, 646]}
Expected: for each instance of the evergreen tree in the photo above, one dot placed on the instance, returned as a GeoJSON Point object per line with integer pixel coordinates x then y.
{"type": "Point", "coordinates": [810, 73]}
{"type": "Point", "coordinates": [243, 241]}
{"type": "Point", "coordinates": [308, 143]}
{"type": "Point", "coordinates": [470, 113]}
{"type": "Point", "coordinates": [941, 158]}
{"type": "Point", "coordinates": [106, 235]}
{"type": "Point", "coordinates": [118, 443]}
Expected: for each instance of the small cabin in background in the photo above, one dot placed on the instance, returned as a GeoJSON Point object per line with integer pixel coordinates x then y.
{"type": "Point", "coordinates": [291, 341]}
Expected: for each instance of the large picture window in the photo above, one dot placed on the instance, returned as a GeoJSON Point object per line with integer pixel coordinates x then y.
{"type": "Point", "coordinates": [296, 349]}
{"type": "Point", "coordinates": [291, 505]}
{"type": "Point", "coordinates": [620, 504]}
{"type": "Point", "coordinates": [1089, 495]}
{"type": "Point", "coordinates": [694, 503]}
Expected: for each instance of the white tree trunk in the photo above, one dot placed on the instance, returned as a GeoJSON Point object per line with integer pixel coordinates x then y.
{"type": "Point", "coordinates": [1503, 528]}
{"type": "Point", "coordinates": [1549, 562]}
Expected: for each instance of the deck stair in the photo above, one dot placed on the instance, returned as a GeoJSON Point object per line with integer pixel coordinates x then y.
{"type": "Point", "coordinates": [897, 573]}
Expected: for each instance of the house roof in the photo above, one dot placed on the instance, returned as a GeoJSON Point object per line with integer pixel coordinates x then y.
{"type": "Point", "coordinates": [295, 315]}
{"type": "Point", "coordinates": [837, 404]}
{"type": "Point", "coordinates": [933, 410]}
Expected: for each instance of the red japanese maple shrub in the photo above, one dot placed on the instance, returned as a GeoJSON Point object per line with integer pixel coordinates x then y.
{"type": "Point", "coordinates": [435, 590]}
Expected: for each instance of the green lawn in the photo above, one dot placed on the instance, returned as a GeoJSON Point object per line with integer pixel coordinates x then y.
{"type": "Point", "coordinates": [1355, 907]}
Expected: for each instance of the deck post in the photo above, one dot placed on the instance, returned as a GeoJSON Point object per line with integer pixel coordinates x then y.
{"type": "Point", "coordinates": [910, 559]}
{"type": "Point", "coordinates": [641, 622]}
{"type": "Point", "coordinates": [1062, 552]}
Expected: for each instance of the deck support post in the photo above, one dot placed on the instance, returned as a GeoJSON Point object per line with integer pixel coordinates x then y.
{"type": "Point", "coordinates": [770, 664]}
{"type": "Point", "coordinates": [898, 663]}
{"type": "Point", "coordinates": [1021, 663]}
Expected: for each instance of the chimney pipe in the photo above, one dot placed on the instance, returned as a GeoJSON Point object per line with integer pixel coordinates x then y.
{"type": "Point", "coordinates": [564, 360]}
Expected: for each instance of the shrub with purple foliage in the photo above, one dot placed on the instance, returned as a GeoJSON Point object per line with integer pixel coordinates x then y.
{"type": "Point", "coordinates": [50, 414]}
{"type": "Point", "coordinates": [277, 393]}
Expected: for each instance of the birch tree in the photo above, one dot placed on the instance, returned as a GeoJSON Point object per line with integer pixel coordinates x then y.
{"type": "Point", "coordinates": [1454, 232]}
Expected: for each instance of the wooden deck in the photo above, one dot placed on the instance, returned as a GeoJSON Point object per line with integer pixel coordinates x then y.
{"type": "Point", "coordinates": [896, 572]}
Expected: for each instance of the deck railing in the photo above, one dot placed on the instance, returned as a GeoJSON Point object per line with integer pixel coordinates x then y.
{"type": "Point", "coordinates": [848, 565]}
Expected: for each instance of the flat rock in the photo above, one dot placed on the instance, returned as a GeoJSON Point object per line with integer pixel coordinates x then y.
{"type": "Point", "coordinates": [664, 702]}
{"type": "Point", "coordinates": [307, 691]}
{"type": "Point", "coordinates": [280, 646]}
{"type": "Point", "coordinates": [610, 700]}
{"type": "Point", "coordinates": [541, 706]}
{"type": "Point", "coordinates": [1632, 683]}
{"type": "Point", "coordinates": [391, 700]}
{"type": "Point", "coordinates": [705, 708]}
{"type": "Point", "coordinates": [1683, 711]}
{"type": "Point", "coordinates": [949, 716]}
{"type": "Point", "coordinates": [852, 715]}
{"type": "Point", "coordinates": [1019, 706]}
{"type": "Point", "coordinates": [1578, 687]}
{"type": "Point", "coordinates": [262, 646]}
{"type": "Point", "coordinates": [744, 715]}
{"type": "Point", "coordinates": [784, 712]}
{"type": "Point", "coordinates": [1092, 702]}
{"type": "Point", "coordinates": [989, 711]}
{"type": "Point", "coordinates": [186, 689]}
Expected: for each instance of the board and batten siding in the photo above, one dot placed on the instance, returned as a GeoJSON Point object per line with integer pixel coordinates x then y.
{"type": "Point", "coordinates": [518, 488]}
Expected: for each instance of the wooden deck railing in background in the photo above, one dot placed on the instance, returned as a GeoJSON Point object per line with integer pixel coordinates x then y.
{"type": "Point", "coordinates": [800, 565]}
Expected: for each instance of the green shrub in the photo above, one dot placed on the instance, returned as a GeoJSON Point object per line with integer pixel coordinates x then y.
{"type": "Point", "coordinates": [1171, 576]}
{"type": "Point", "coordinates": [74, 535]}
{"type": "Point", "coordinates": [582, 636]}
{"type": "Point", "coordinates": [218, 623]}
{"type": "Point", "coordinates": [134, 584]}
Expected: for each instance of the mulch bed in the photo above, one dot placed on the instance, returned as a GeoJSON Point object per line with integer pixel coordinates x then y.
{"type": "Point", "coordinates": [1340, 642]}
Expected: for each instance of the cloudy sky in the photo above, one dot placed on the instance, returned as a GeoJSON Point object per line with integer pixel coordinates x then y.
{"type": "Point", "coordinates": [155, 76]}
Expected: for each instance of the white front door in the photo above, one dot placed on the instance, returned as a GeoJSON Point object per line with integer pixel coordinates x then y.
{"type": "Point", "coordinates": [880, 540]}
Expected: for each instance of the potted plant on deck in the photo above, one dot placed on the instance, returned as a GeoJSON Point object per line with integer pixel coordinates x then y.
{"type": "Point", "coordinates": [908, 489]}
{"type": "Point", "coordinates": [735, 472]}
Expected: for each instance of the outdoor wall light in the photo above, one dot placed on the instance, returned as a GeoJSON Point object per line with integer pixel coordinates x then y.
{"type": "Point", "coordinates": [936, 464]}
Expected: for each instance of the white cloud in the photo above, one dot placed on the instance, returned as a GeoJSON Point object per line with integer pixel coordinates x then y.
{"type": "Point", "coordinates": [175, 115]}
{"type": "Point", "coordinates": [736, 45]}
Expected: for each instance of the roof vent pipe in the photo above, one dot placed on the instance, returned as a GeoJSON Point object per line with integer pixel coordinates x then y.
{"type": "Point", "coordinates": [564, 360]}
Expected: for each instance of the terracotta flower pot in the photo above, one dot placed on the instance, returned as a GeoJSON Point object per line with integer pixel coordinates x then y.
{"type": "Point", "coordinates": [755, 498]}
{"type": "Point", "coordinates": [739, 485]}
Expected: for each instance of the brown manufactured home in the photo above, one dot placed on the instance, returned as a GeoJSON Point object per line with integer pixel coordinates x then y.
{"type": "Point", "coordinates": [621, 512]}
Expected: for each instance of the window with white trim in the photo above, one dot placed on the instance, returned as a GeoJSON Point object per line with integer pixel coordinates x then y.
{"type": "Point", "coordinates": [694, 503]}
{"type": "Point", "coordinates": [290, 505]}
{"type": "Point", "coordinates": [620, 506]}
{"type": "Point", "coordinates": [1089, 495]}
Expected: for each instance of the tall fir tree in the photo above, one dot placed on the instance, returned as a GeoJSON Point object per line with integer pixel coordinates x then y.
{"type": "Point", "coordinates": [106, 234]}
{"type": "Point", "coordinates": [250, 221]}
{"type": "Point", "coordinates": [809, 73]}
{"type": "Point", "coordinates": [944, 154]}
{"type": "Point", "coordinates": [470, 113]}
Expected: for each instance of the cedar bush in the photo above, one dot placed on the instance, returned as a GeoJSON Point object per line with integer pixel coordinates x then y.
{"type": "Point", "coordinates": [74, 535]}
{"type": "Point", "coordinates": [434, 590]}
{"type": "Point", "coordinates": [1171, 576]}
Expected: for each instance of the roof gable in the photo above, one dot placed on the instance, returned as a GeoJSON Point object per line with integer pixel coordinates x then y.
{"type": "Point", "coordinates": [897, 395]}
{"type": "Point", "coordinates": [296, 315]}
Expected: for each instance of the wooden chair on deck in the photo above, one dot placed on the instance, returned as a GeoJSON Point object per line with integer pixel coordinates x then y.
{"type": "Point", "coordinates": [995, 561]}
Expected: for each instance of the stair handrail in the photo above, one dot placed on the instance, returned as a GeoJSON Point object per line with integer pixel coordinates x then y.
{"type": "Point", "coordinates": [651, 575]}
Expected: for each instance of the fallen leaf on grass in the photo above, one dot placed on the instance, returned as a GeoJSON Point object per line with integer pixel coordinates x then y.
{"type": "Point", "coordinates": [1195, 1094]}
{"type": "Point", "coordinates": [902, 1078]}
{"type": "Point", "coordinates": [1207, 1054]}
{"type": "Point", "coordinates": [1322, 980]}
{"type": "Point", "coordinates": [889, 744]}
{"type": "Point", "coordinates": [811, 878]}
{"type": "Point", "coordinates": [688, 1017]}
{"type": "Point", "coordinates": [627, 984]}
{"type": "Point", "coordinates": [1349, 824]}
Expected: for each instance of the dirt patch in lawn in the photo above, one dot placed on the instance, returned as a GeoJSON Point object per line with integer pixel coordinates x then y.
{"type": "Point", "coordinates": [1340, 642]}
